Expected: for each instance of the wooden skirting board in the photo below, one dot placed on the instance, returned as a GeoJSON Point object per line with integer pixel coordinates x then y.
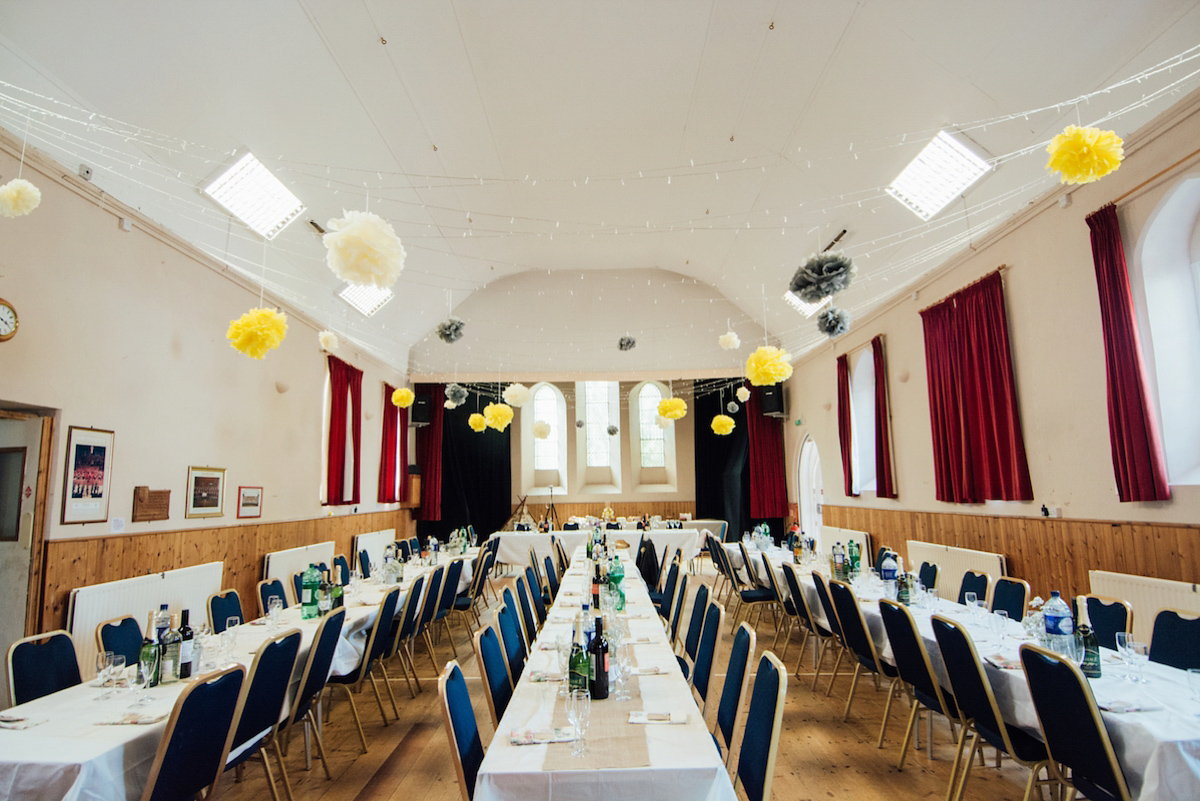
{"type": "Point", "coordinates": [80, 562]}
{"type": "Point", "coordinates": [1049, 553]}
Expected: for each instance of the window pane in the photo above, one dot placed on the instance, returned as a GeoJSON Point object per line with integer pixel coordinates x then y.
{"type": "Point", "coordinates": [599, 454]}
{"type": "Point", "coordinates": [545, 451]}
{"type": "Point", "coordinates": [653, 447]}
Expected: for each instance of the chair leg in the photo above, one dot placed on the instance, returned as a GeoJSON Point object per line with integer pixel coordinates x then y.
{"type": "Point", "coordinates": [887, 709]}
{"type": "Point", "coordinates": [908, 732]}
{"type": "Point", "coordinates": [836, 666]}
{"type": "Point", "coordinates": [853, 687]}
{"type": "Point", "coordinates": [818, 660]}
{"type": "Point", "coordinates": [287, 785]}
{"type": "Point", "coordinates": [387, 685]}
{"type": "Point", "coordinates": [312, 719]}
{"type": "Point", "coordinates": [412, 664]}
{"type": "Point", "coordinates": [357, 722]}
{"type": "Point", "coordinates": [266, 763]}
{"type": "Point", "coordinates": [379, 699]}
{"type": "Point", "coordinates": [450, 635]}
{"type": "Point", "coordinates": [429, 648]}
{"type": "Point", "coordinates": [967, 763]}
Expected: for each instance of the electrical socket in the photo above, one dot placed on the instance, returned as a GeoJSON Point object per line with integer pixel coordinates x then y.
{"type": "Point", "coordinates": [126, 224]}
{"type": "Point", "coordinates": [85, 172]}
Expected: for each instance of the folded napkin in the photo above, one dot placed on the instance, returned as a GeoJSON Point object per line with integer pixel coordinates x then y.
{"type": "Point", "coordinates": [649, 670]}
{"type": "Point", "coordinates": [1002, 662]}
{"type": "Point", "coordinates": [530, 737]}
{"type": "Point", "coordinates": [639, 640]}
{"type": "Point", "coordinates": [18, 722]}
{"type": "Point", "coordinates": [642, 716]}
{"type": "Point", "coordinates": [544, 675]}
{"type": "Point", "coordinates": [135, 719]}
{"type": "Point", "coordinates": [1120, 707]}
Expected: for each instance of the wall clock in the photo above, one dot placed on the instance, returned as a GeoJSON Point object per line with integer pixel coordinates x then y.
{"type": "Point", "coordinates": [8, 320]}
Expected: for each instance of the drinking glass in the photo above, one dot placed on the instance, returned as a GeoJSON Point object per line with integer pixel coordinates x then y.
{"type": "Point", "coordinates": [140, 680]}
{"type": "Point", "coordinates": [623, 664]}
{"type": "Point", "coordinates": [999, 623]}
{"type": "Point", "coordinates": [1123, 640]}
{"type": "Point", "coordinates": [981, 609]}
{"type": "Point", "coordinates": [102, 674]}
{"type": "Point", "coordinates": [116, 668]}
{"type": "Point", "coordinates": [228, 642]}
{"type": "Point", "coordinates": [562, 644]}
{"type": "Point", "coordinates": [579, 714]}
{"type": "Point", "coordinates": [969, 599]}
{"type": "Point", "coordinates": [274, 608]}
{"type": "Point", "coordinates": [1140, 655]}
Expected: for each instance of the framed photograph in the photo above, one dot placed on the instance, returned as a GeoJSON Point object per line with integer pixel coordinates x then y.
{"type": "Point", "coordinates": [205, 492]}
{"type": "Point", "coordinates": [87, 477]}
{"type": "Point", "coordinates": [249, 502]}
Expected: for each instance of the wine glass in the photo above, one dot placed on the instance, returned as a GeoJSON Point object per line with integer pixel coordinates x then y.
{"type": "Point", "coordinates": [969, 599]}
{"type": "Point", "coordinates": [579, 713]}
{"type": "Point", "coordinates": [562, 645]}
{"type": "Point", "coordinates": [140, 681]}
{"type": "Point", "coordinates": [1123, 640]}
{"type": "Point", "coordinates": [115, 668]}
{"type": "Point", "coordinates": [102, 658]}
{"type": "Point", "coordinates": [999, 624]}
{"type": "Point", "coordinates": [1139, 653]}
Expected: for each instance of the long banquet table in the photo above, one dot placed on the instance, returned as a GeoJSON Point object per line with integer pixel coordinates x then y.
{"type": "Point", "coordinates": [625, 760]}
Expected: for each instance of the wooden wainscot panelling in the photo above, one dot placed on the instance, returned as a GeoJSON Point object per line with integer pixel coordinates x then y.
{"type": "Point", "coordinates": [80, 562]}
{"type": "Point", "coordinates": [1049, 553]}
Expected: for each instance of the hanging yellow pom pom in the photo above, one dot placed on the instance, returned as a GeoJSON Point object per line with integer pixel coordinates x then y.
{"type": "Point", "coordinates": [768, 365]}
{"type": "Point", "coordinates": [672, 408]}
{"type": "Point", "coordinates": [497, 415]}
{"type": "Point", "coordinates": [1083, 155]}
{"type": "Point", "coordinates": [476, 422]}
{"type": "Point", "coordinates": [257, 331]}
{"type": "Point", "coordinates": [722, 425]}
{"type": "Point", "coordinates": [403, 397]}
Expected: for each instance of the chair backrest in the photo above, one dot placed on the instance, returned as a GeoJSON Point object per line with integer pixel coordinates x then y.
{"type": "Point", "coordinates": [490, 653]}
{"type": "Point", "coordinates": [826, 600]}
{"type": "Point", "coordinates": [551, 576]}
{"type": "Point", "coordinates": [662, 567]}
{"type": "Point", "coordinates": [509, 626]}
{"type": "Point", "coordinates": [192, 752]}
{"type": "Point", "coordinates": [268, 588]}
{"type": "Point", "coordinates": [318, 663]}
{"type": "Point", "coordinates": [1011, 595]}
{"type": "Point", "coordinates": [535, 595]}
{"type": "Point", "coordinates": [563, 557]}
{"type": "Point", "coordinates": [364, 564]}
{"type": "Point", "coordinates": [647, 562]}
{"type": "Point", "coordinates": [910, 656]}
{"type": "Point", "coordinates": [668, 592]}
{"type": "Point", "coordinates": [707, 650]}
{"type": "Point", "coordinates": [772, 581]}
{"type": "Point", "coordinates": [414, 546]}
{"type": "Point", "coordinates": [696, 622]}
{"type": "Point", "coordinates": [40, 665]}
{"type": "Point", "coordinates": [528, 619]}
{"type": "Point", "coordinates": [855, 633]}
{"type": "Point", "coordinates": [976, 582]}
{"type": "Point", "coordinates": [749, 582]}
{"type": "Point", "coordinates": [1072, 728]}
{"type": "Point", "coordinates": [298, 587]}
{"type": "Point", "coordinates": [264, 693]}
{"type": "Point", "coordinates": [797, 596]}
{"type": "Point", "coordinates": [378, 641]}
{"type": "Point", "coordinates": [406, 626]}
{"type": "Point", "coordinates": [461, 727]}
{"type": "Point", "coordinates": [760, 739]}
{"type": "Point", "coordinates": [1107, 616]}
{"type": "Point", "coordinates": [970, 685]}
{"type": "Point", "coordinates": [536, 582]}
{"type": "Point", "coordinates": [928, 575]}
{"type": "Point", "coordinates": [222, 606]}
{"type": "Point", "coordinates": [450, 582]}
{"type": "Point", "coordinates": [1175, 640]}
{"type": "Point", "coordinates": [737, 675]}
{"type": "Point", "coordinates": [403, 549]}
{"type": "Point", "coordinates": [121, 635]}
{"type": "Point", "coordinates": [432, 596]}
{"type": "Point", "coordinates": [677, 608]}
{"type": "Point", "coordinates": [879, 557]}
{"type": "Point", "coordinates": [487, 560]}
{"type": "Point", "coordinates": [342, 565]}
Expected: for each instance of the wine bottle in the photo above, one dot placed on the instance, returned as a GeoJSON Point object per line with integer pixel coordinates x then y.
{"type": "Point", "coordinates": [598, 680]}
{"type": "Point", "coordinates": [1091, 645]}
{"type": "Point", "coordinates": [596, 585]}
{"type": "Point", "coordinates": [149, 655]}
{"type": "Point", "coordinates": [336, 593]}
{"type": "Point", "coordinates": [186, 640]}
{"type": "Point", "coordinates": [324, 594]}
{"type": "Point", "coordinates": [579, 668]}
{"type": "Point", "coordinates": [169, 671]}
{"type": "Point", "coordinates": [162, 622]}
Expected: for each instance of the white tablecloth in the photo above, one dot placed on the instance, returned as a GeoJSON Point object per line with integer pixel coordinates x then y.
{"type": "Point", "coordinates": [684, 762]}
{"type": "Point", "coordinates": [514, 545]}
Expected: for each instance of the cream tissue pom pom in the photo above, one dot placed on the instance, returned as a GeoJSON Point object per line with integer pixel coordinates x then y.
{"type": "Point", "coordinates": [18, 197]}
{"type": "Point", "coordinates": [516, 395]}
{"type": "Point", "coordinates": [362, 248]}
{"type": "Point", "coordinates": [541, 429]}
{"type": "Point", "coordinates": [664, 422]}
{"type": "Point", "coordinates": [328, 340]}
{"type": "Point", "coordinates": [730, 341]}
{"type": "Point", "coordinates": [743, 394]}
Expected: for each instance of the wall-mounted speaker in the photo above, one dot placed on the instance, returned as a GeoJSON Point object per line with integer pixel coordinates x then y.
{"type": "Point", "coordinates": [421, 413]}
{"type": "Point", "coordinates": [774, 401]}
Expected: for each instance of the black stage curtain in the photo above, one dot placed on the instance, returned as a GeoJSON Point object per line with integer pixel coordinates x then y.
{"type": "Point", "coordinates": [476, 472]}
{"type": "Point", "coordinates": [722, 480]}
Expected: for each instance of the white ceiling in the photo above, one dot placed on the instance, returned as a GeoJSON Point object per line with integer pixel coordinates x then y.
{"type": "Point", "coordinates": [564, 173]}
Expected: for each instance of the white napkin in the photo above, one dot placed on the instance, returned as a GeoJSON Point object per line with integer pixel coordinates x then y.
{"type": "Point", "coordinates": [135, 719]}
{"type": "Point", "coordinates": [18, 722]}
{"type": "Point", "coordinates": [530, 737]}
{"type": "Point", "coordinates": [644, 716]}
{"type": "Point", "coordinates": [649, 670]}
{"type": "Point", "coordinates": [1120, 707]}
{"type": "Point", "coordinates": [544, 675]}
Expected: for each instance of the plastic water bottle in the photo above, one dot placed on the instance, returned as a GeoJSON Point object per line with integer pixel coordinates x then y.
{"type": "Point", "coordinates": [888, 571]}
{"type": "Point", "coordinates": [1060, 628]}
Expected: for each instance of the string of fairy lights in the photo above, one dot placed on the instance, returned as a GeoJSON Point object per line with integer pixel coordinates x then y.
{"type": "Point", "coordinates": [165, 170]}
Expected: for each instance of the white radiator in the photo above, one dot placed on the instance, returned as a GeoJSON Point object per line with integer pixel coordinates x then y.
{"type": "Point", "coordinates": [1148, 596]}
{"type": "Point", "coordinates": [283, 564]}
{"type": "Point", "coordinates": [373, 542]}
{"type": "Point", "coordinates": [952, 563]}
{"type": "Point", "coordinates": [830, 535]}
{"type": "Point", "coordinates": [184, 588]}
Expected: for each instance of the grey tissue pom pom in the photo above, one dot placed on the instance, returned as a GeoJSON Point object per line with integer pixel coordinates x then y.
{"type": "Point", "coordinates": [821, 276]}
{"type": "Point", "coordinates": [732, 407]}
{"type": "Point", "coordinates": [456, 394]}
{"type": "Point", "coordinates": [579, 424]}
{"type": "Point", "coordinates": [612, 431]}
{"type": "Point", "coordinates": [626, 343]}
{"type": "Point", "coordinates": [450, 330]}
{"type": "Point", "coordinates": [833, 322]}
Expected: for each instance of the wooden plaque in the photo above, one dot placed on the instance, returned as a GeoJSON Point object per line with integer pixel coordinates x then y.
{"type": "Point", "coordinates": [150, 504]}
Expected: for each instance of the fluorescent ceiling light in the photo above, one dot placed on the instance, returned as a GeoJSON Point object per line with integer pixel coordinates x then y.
{"type": "Point", "coordinates": [939, 173]}
{"type": "Point", "coordinates": [804, 307]}
{"type": "Point", "coordinates": [367, 299]}
{"type": "Point", "coordinates": [249, 191]}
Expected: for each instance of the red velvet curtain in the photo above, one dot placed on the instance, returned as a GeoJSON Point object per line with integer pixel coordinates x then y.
{"type": "Point", "coordinates": [978, 447]}
{"type": "Point", "coordinates": [429, 453]}
{"type": "Point", "coordinates": [1138, 462]}
{"type": "Point", "coordinates": [345, 384]}
{"type": "Point", "coordinates": [845, 429]}
{"type": "Point", "coordinates": [765, 462]}
{"type": "Point", "coordinates": [885, 483]}
{"type": "Point", "coordinates": [393, 451]}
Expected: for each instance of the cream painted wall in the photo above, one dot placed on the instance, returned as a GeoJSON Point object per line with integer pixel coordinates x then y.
{"type": "Point", "coordinates": [1054, 327]}
{"type": "Point", "coordinates": [126, 331]}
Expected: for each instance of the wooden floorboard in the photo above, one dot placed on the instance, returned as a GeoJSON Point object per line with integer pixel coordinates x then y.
{"type": "Point", "coordinates": [820, 757]}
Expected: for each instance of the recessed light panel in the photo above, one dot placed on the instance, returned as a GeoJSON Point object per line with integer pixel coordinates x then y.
{"type": "Point", "coordinates": [804, 307]}
{"type": "Point", "coordinates": [367, 299]}
{"type": "Point", "coordinates": [939, 173]}
{"type": "Point", "coordinates": [249, 191]}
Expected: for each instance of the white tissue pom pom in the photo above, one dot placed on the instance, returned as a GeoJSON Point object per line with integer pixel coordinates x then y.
{"type": "Point", "coordinates": [18, 197]}
{"type": "Point", "coordinates": [449, 404]}
{"type": "Point", "coordinates": [541, 429]}
{"type": "Point", "coordinates": [329, 340]}
{"type": "Point", "coordinates": [362, 248]}
{"type": "Point", "coordinates": [664, 422]}
{"type": "Point", "coordinates": [516, 395]}
{"type": "Point", "coordinates": [730, 341]}
{"type": "Point", "coordinates": [743, 394]}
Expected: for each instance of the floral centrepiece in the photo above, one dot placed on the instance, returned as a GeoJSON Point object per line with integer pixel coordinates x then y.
{"type": "Point", "coordinates": [476, 422]}
{"type": "Point", "coordinates": [328, 340]}
{"type": "Point", "coordinates": [450, 330]}
{"type": "Point", "coordinates": [541, 430]}
{"type": "Point", "coordinates": [743, 394]}
{"type": "Point", "coordinates": [1083, 155]}
{"type": "Point", "coordinates": [768, 365]}
{"type": "Point", "coordinates": [363, 248]}
{"type": "Point", "coordinates": [257, 331]}
{"type": "Point", "coordinates": [722, 425]}
{"type": "Point", "coordinates": [729, 341]}
{"type": "Point", "coordinates": [516, 395]}
{"type": "Point", "coordinates": [403, 397]}
{"type": "Point", "coordinates": [821, 276]}
{"type": "Point", "coordinates": [833, 322]}
{"type": "Point", "coordinates": [497, 415]}
{"type": "Point", "coordinates": [18, 197]}
{"type": "Point", "coordinates": [672, 408]}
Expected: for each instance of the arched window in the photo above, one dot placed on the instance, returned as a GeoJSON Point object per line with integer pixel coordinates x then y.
{"type": "Point", "coordinates": [544, 460]}
{"type": "Point", "coordinates": [811, 490]}
{"type": "Point", "coordinates": [598, 453]}
{"type": "Point", "coordinates": [862, 420]}
{"type": "Point", "coordinates": [651, 437]}
{"type": "Point", "coordinates": [652, 449]}
{"type": "Point", "coordinates": [545, 409]}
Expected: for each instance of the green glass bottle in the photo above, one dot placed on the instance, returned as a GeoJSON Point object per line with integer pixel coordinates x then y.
{"type": "Point", "coordinates": [580, 668]}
